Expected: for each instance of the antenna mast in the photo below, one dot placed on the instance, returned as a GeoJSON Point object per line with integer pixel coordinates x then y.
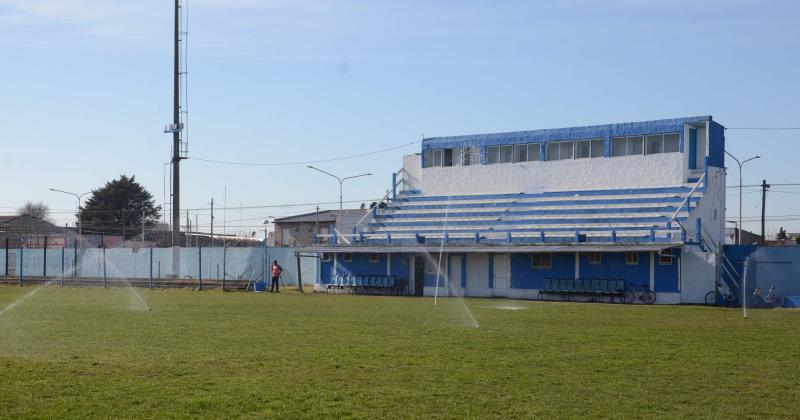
{"type": "Point", "coordinates": [179, 143]}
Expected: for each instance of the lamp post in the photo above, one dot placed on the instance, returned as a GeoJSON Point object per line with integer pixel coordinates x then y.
{"type": "Point", "coordinates": [341, 181]}
{"type": "Point", "coordinates": [740, 163]}
{"type": "Point", "coordinates": [80, 212]}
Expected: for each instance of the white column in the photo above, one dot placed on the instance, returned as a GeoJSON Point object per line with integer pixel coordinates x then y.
{"type": "Point", "coordinates": [577, 265]}
{"type": "Point", "coordinates": [652, 270]}
{"type": "Point", "coordinates": [388, 264]}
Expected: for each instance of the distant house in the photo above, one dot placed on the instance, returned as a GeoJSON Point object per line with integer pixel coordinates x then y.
{"type": "Point", "coordinates": [26, 231]}
{"type": "Point", "coordinates": [748, 238]}
{"type": "Point", "coordinates": [300, 230]}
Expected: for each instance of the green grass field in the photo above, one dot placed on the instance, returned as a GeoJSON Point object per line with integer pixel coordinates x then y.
{"type": "Point", "coordinates": [79, 352]}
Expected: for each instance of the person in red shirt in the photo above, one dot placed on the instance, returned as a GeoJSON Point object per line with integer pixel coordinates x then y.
{"type": "Point", "coordinates": [276, 274]}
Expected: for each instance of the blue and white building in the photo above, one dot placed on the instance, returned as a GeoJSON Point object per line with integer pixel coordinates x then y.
{"type": "Point", "coordinates": [503, 214]}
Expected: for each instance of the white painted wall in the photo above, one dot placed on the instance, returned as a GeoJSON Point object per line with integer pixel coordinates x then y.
{"type": "Point", "coordinates": [411, 173]}
{"type": "Point", "coordinates": [531, 177]}
{"type": "Point", "coordinates": [698, 270]}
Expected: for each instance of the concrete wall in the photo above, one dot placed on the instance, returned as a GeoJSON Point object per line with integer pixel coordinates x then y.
{"type": "Point", "coordinates": [563, 175]}
{"type": "Point", "coordinates": [244, 263]}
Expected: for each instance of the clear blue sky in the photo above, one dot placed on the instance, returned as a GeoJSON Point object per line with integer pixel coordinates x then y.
{"type": "Point", "coordinates": [86, 88]}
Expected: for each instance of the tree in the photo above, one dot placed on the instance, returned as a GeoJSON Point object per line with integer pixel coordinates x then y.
{"type": "Point", "coordinates": [118, 207]}
{"type": "Point", "coordinates": [37, 210]}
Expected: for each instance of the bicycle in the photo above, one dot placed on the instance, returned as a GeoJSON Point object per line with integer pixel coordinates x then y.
{"type": "Point", "coordinates": [771, 300]}
{"type": "Point", "coordinates": [715, 297]}
{"type": "Point", "coordinates": [647, 296]}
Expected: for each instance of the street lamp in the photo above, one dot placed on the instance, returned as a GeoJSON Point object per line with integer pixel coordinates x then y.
{"type": "Point", "coordinates": [80, 212]}
{"type": "Point", "coordinates": [740, 163]}
{"type": "Point", "coordinates": [341, 181]}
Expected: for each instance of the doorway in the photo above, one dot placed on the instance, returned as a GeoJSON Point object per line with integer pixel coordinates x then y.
{"type": "Point", "coordinates": [419, 275]}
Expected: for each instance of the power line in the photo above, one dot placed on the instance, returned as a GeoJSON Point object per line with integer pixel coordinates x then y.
{"type": "Point", "coordinates": [226, 162]}
{"type": "Point", "coordinates": [763, 128]}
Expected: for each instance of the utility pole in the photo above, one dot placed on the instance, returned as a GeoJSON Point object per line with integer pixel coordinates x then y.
{"type": "Point", "coordinates": [197, 230]}
{"type": "Point", "coordinates": [211, 245]}
{"type": "Point", "coordinates": [188, 228]}
{"type": "Point", "coordinates": [176, 129]}
{"type": "Point", "coordinates": [764, 188]}
{"type": "Point", "coordinates": [142, 227]}
{"type": "Point", "coordinates": [316, 222]}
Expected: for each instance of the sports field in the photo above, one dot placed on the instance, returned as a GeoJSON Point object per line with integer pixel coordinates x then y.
{"type": "Point", "coordinates": [78, 352]}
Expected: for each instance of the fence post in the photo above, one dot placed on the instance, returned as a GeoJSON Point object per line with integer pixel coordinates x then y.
{"type": "Point", "coordinates": [299, 273]}
{"type": "Point", "coordinates": [21, 264]}
{"type": "Point", "coordinates": [62, 266]}
{"type": "Point", "coordinates": [200, 266]}
{"type": "Point", "coordinates": [105, 280]}
{"type": "Point", "coordinates": [151, 268]}
{"type": "Point", "coordinates": [44, 258]}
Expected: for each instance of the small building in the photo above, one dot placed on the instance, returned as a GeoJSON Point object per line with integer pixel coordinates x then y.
{"type": "Point", "coordinates": [637, 205]}
{"type": "Point", "coordinates": [748, 238]}
{"type": "Point", "coordinates": [300, 230]}
{"type": "Point", "coordinates": [26, 231]}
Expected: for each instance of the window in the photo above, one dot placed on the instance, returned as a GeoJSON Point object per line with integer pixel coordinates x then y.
{"type": "Point", "coordinates": [624, 146]}
{"type": "Point", "coordinates": [663, 143]}
{"type": "Point", "coordinates": [560, 150]}
{"type": "Point", "coordinates": [632, 258]}
{"type": "Point", "coordinates": [493, 155]}
{"type": "Point", "coordinates": [654, 144]}
{"type": "Point", "coordinates": [542, 261]}
{"type": "Point", "coordinates": [347, 257]}
{"type": "Point", "coordinates": [665, 257]}
{"type": "Point", "coordinates": [589, 148]}
{"type": "Point", "coordinates": [513, 153]}
{"type": "Point", "coordinates": [326, 256]}
{"type": "Point", "coordinates": [520, 153]}
{"type": "Point", "coordinates": [672, 143]}
{"type": "Point", "coordinates": [427, 158]}
{"type": "Point", "coordinates": [472, 156]}
{"type": "Point", "coordinates": [433, 158]}
{"type": "Point", "coordinates": [594, 258]}
{"type": "Point", "coordinates": [506, 154]}
{"type": "Point", "coordinates": [431, 267]}
{"type": "Point", "coordinates": [374, 258]}
{"type": "Point", "coordinates": [534, 152]}
{"type": "Point", "coordinates": [457, 155]}
{"type": "Point", "coordinates": [447, 157]}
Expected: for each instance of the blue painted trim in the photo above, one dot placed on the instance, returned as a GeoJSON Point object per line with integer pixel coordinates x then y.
{"type": "Point", "coordinates": [569, 133]}
{"type": "Point", "coordinates": [491, 271]}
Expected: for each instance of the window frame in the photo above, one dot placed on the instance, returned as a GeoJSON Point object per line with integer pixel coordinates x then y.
{"type": "Point", "coordinates": [489, 150]}
{"type": "Point", "coordinates": [347, 257]}
{"type": "Point", "coordinates": [594, 258]}
{"type": "Point", "coordinates": [544, 263]}
{"type": "Point", "coordinates": [522, 147]}
{"type": "Point", "coordinates": [326, 257]}
{"type": "Point", "coordinates": [430, 264]}
{"type": "Point", "coordinates": [537, 155]}
{"type": "Point", "coordinates": [670, 256]}
{"type": "Point", "coordinates": [375, 258]}
{"type": "Point", "coordinates": [557, 146]}
{"type": "Point", "coordinates": [631, 261]}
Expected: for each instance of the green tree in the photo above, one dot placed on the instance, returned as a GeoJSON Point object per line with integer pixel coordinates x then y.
{"type": "Point", "coordinates": [118, 207]}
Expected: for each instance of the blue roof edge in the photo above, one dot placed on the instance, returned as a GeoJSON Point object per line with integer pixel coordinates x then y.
{"type": "Point", "coordinates": [567, 133]}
